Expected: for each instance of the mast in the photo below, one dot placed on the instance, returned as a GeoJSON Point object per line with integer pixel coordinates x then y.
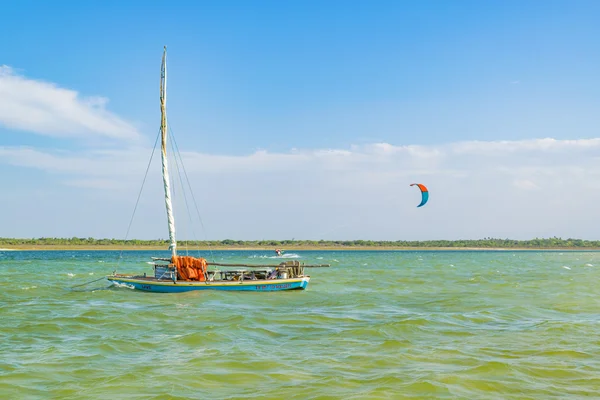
{"type": "Point", "coordinates": [163, 153]}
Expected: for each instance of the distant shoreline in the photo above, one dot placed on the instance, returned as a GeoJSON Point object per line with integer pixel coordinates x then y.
{"type": "Point", "coordinates": [288, 250]}
{"type": "Point", "coordinates": [489, 244]}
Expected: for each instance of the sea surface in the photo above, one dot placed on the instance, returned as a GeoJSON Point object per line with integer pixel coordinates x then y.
{"type": "Point", "coordinates": [375, 325]}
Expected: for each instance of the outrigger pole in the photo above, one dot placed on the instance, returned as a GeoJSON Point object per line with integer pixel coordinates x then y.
{"type": "Point", "coordinates": [283, 264]}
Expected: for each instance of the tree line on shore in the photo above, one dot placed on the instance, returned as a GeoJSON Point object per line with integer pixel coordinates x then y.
{"type": "Point", "coordinates": [547, 243]}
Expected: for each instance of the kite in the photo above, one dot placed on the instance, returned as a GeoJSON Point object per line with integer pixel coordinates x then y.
{"type": "Point", "coordinates": [424, 193]}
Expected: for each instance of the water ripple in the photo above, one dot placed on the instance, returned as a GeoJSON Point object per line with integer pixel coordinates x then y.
{"type": "Point", "coordinates": [377, 325]}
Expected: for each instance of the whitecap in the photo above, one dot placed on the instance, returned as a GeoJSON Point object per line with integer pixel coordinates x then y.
{"type": "Point", "coordinates": [291, 255]}
{"type": "Point", "coordinates": [287, 255]}
{"type": "Point", "coordinates": [589, 265]}
{"type": "Point", "coordinates": [123, 285]}
{"type": "Point", "coordinates": [71, 274]}
{"type": "Point", "coordinates": [565, 267]}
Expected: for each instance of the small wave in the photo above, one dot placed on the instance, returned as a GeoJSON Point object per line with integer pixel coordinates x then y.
{"type": "Point", "coordinates": [565, 267]}
{"type": "Point", "coordinates": [29, 287]}
{"type": "Point", "coordinates": [287, 255]}
{"type": "Point", "coordinates": [71, 274]}
{"type": "Point", "coordinates": [319, 258]}
{"type": "Point", "coordinates": [123, 285]}
{"type": "Point", "coordinates": [589, 265]}
{"type": "Point", "coordinates": [150, 262]}
{"type": "Point", "coordinates": [290, 255]}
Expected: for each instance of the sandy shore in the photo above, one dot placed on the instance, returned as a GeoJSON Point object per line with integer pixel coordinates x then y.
{"type": "Point", "coordinates": [288, 250]}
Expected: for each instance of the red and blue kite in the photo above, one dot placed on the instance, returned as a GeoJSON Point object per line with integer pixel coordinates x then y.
{"type": "Point", "coordinates": [424, 193]}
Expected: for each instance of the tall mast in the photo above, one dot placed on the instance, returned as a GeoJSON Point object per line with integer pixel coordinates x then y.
{"type": "Point", "coordinates": [163, 153]}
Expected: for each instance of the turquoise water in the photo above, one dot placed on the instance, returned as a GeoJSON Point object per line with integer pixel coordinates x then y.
{"type": "Point", "coordinates": [376, 325]}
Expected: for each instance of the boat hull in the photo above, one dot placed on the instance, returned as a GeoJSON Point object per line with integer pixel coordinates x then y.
{"type": "Point", "coordinates": [164, 286]}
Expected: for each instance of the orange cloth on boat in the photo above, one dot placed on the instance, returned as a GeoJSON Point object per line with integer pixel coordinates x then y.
{"type": "Point", "coordinates": [190, 268]}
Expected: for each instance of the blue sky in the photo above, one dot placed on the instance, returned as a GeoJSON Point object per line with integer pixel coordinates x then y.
{"type": "Point", "coordinates": [304, 119]}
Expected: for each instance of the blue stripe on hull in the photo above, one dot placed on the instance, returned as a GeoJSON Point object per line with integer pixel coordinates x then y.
{"type": "Point", "coordinates": [182, 286]}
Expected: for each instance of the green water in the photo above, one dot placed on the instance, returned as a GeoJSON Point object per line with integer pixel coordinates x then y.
{"type": "Point", "coordinates": [376, 325]}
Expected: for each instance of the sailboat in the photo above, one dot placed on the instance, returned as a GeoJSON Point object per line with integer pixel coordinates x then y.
{"type": "Point", "coordinates": [184, 273]}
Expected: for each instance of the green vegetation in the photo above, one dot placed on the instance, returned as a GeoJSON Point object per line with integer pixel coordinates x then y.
{"type": "Point", "coordinates": [550, 243]}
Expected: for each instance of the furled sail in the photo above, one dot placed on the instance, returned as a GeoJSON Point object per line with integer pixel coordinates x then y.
{"type": "Point", "coordinates": [163, 153]}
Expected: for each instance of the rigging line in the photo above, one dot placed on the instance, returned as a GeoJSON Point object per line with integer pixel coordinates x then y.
{"type": "Point", "coordinates": [138, 200]}
{"type": "Point", "coordinates": [193, 197]}
{"type": "Point", "coordinates": [87, 283]}
{"type": "Point", "coordinates": [173, 181]}
{"type": "Point", "coordinates": [177, 162]}
{"type": "Point", "coordinates": [174, 197]}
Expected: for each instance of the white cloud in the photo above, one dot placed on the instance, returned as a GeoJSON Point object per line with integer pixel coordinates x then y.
{"type": "Point", "coordinates": [525, 184]}
{"type": "Point", "coordinates": [518, 189]}
{"type": "Point", "coordinates": [520, 160]}
{"type": "Point", "coordinates": [91, 163]}
{"type": "Point", "coordinates": [44, 108]}
{"type": "Point", "coordinates": [503, 147]}
{"type": "Point", "coordinates": [102, 184]}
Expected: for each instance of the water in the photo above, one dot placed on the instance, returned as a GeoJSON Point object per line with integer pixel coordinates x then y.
{"type": "Point", "coordinates": [376, 325]}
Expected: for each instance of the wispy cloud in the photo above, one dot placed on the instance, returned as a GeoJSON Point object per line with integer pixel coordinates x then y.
{"type": "Point", "coordinates": [471, 158]}
{"type": "Point", "coordinates": [47, 109]}
{"type": "Point", "coordinates": [519, 189]}
{"type": "Point", "coordinates": [525, 184]}
{"type": "Point", "coordinates": [523, 161]}
{"type": "Point", "coordinates": [91, 163]}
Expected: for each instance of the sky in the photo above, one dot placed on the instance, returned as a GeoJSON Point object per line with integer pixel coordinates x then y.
{"type": "Point", "coordinates": [302, 120]}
